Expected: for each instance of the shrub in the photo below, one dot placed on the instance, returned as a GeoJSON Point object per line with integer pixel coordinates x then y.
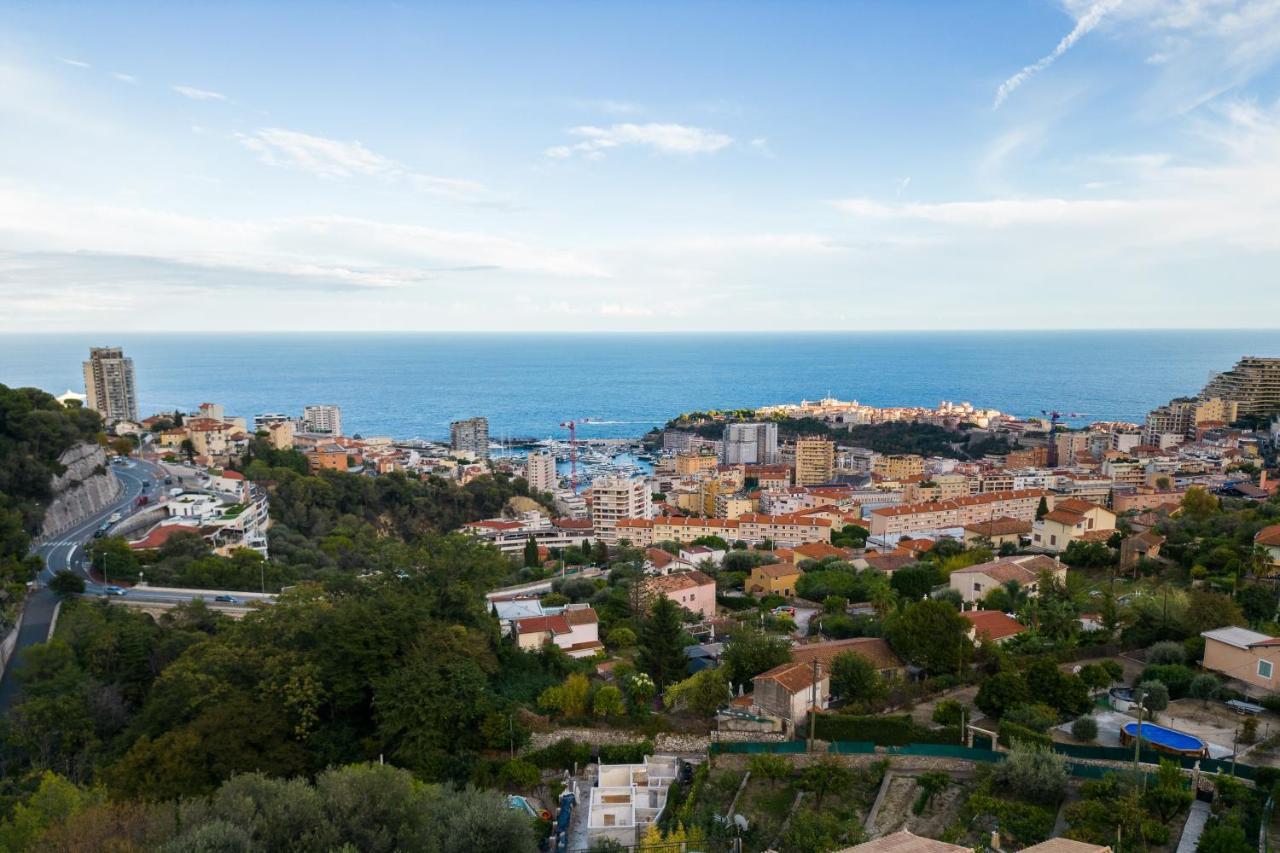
{"type": "Point", "coordinates": [1034, 774]}
{"type": "Point", "coordinates": [1166, 652]}
{"type": "Point", "coordinates": [561, 755]}
{"type": "Point", "coordinates": [625, 753]}
{"type": "Point", "coordinates": [1000, 692]}
{"type": "Point", "coordinates": [519, 773]}
{"type": "Point", "coordinates": [1205, 687]}
{"type": "Point", "coordinates": [1174, 676]}
{"type": "Point", "coordinates": [770, 768]}
{"type": "Point", "coordinates": [929, 784]}
{"type": "Point", "coordinates": [1036, 717]}
{"type": "Point", "coordinates": [889, 730]}
{"type": "Point", "coordinates": [948, 712]}
{"type": "Point", "coordinates": [620, 638]}
{"type": "Point", "coordinates": [1084, 728]}
{"type": "Point", "coordinates": [1155, 696]}
{"type": "Point", "coordinates": [1012, 734]}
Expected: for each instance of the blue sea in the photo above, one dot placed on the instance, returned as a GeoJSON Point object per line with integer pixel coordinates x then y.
{"type": "Point", "coordinates": [413, 385]}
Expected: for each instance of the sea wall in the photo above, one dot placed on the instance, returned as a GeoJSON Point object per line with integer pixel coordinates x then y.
{"type": "Point", "coordinates": [84, 488]}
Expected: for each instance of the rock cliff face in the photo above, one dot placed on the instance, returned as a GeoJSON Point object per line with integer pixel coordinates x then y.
{"type": "Point", "coordinates": [85, 488]}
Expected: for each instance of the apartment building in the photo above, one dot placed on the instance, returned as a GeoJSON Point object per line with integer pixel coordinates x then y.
{"type": "Point", "coordinates": [617, 498]}
{"type": "Point", "coordinates": [768, 476]}
{"type": "Point", "coordinates": [750, 444]}
{"type": "Point", "coordinates": [1253, 384]}
{"type": "Point", "coordinates": [540, 471]}
{"type": "Point", "coordinates": [510, 535]}
{"type": "Point", "coordinates": [957, 513]}
{"type": "Point", "coordinates": [783, 530]}
{"type": "Point", "coordinates": [1072, 520]}
{"type": "Point", "coordinates": [470, 436]}
{"type": "Point", "coordinates": [815, 461]}
{"type": "Point", "coordinates": [689, 464]}
{"type": "Point", "coordinates": [109, 385]}
{"type": "Point", "coordinates": [897, 466]}
{"type": "Point", "coordinates": [323, 419]}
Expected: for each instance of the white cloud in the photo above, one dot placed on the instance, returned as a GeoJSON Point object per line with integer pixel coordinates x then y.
{"type": "Point", "coordinates": [334, 158]}
{"type": "Point", "coordinates": [662, 138]}
{"type": "Point", "coordinates": [75, 63]}
{"type": "Point", "coordinates": [124, 78]}
{"type": "Point", "coordinates": [199, 94]}
{"type": "Point", "coordinates": [1089, 18]}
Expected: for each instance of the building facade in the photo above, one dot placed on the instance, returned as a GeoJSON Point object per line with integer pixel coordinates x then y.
{"type": "Point", "coordinates": [750, 444]}
{"type": "Point", "coordinates": [617, 498]}
{"type": "Point", "coordinates": [322, 419]}
{"type": "Point", "coordinates": [109, 384]}
{"type": "Point", "coordinates": [815, 461]}
{"type": "Point", "coordinates": [470, 436]}
{"type": "Point", "coordinates": [540, 471]}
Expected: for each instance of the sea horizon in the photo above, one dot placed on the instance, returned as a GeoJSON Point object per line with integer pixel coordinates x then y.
{"type": "Point", "coordinates": [412, 384]}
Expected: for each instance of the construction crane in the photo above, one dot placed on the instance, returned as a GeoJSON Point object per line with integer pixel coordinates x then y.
{"type": "Point", "coordinates": [1054, 416]}
{"type": "Point", "coordinates": [572, 426]}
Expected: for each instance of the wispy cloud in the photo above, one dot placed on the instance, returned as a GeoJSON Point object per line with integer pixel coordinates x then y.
{"type": "Point", "coordinates": [662, 138]}
{"type": "Point", "coordinates": [1091, 17]}
{"type": "Point", "coordinates": [199, 94]}
{"type": "Point", "coordinates": [335, 158]}
{"type": "Point", "coordinates": [124, 78]}
{"type": "Point", "coordinates": [75, 63]}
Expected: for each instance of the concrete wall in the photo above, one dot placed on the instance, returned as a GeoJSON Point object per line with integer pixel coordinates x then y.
{"type": "Point", "coordinates": [79, 492]}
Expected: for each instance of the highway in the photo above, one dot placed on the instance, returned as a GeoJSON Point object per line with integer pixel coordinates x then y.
{"type": "Point", "coordinates": [66, 552]}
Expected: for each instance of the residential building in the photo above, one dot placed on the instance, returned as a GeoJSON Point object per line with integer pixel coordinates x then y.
{"type": "Point", "coordinates": [974, 582]}
{"type": "Point", "coordinates": [617, 498]}
{"type": "Point", "coordinates": [997, 531]}
{"type": "Point", "coordinates": [327, 457]}
{"type": "Point", "coordinates": [323, 419]}
{"type": "Point", "coordinates": [874, 650]}
{"type": "Point", "coordinates": [109, 385]}
{"type": "Point", "coordinates": [790, 690]}
{"type": "Point", "coordinates": [753, 528]}
{"type": "Point", "coordinates": [991, 626]}
{"type": "Point", "coordinates": [1244, 656]}
{"type": "Point", "coordinates": [1253, 384]}
{"type": "Point", "coordinates": [470, 437]}
{"type": "Point", "coordinates": [892, 521]}
{"type": "Point", "coordinates": [540, 471]}
{"type": "Point", "coordinates": [815, 461]}
{"type": "Point", "coordinates": [733, 505]}
{"type": "Point", "coordinates": [897, 466]}
{"type": "Point", "coordinates": [689, 464]}
{"type": "Point", "coordinates": [1139, 546]}
{"type": "Point", "coordinates": [626, 799]}
{"type": "Point", "coordinates": [280, 435]}
{"type": "Point", "coordinates": [769, 476]}
{"type": "Point", "coordinates": [1268, 538]}
{"type": "Point", "coordinates": [698, 554]}
{"type": "Point", "coordinates": [692, 590]}
{"type": "Point", "coordinates": [265, 420]}
{"type": "Point", "coordinates": [750, 444]}
{"type": "Point", "coordinates": [576, 630]}
{"type": "Point", "coordinates": [774, 579]}
{"type": "Point", "coordinates": [510, 535]}
{"type": "Point", "coordinates": [1072, 520]}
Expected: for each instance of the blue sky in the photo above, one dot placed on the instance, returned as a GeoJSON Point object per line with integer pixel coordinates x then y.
{"type": "Point", "coordinates": [598, 166]}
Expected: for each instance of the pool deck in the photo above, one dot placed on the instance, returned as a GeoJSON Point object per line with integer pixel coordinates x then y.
{"type": "Point", "coordinates": [1110, 723]}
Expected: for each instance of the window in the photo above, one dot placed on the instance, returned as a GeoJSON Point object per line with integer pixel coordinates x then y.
{"type": "Point", "coordinates": [1264, 669]}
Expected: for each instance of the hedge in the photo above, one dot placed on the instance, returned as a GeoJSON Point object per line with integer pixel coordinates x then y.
{"type": "Point", "coordinates": [893, 730]}
{"type": "Point", "coordinates": [1011, 731]}
{"type": "Point", "coordinates": [625, 753]}
{"type": "Point", "coordinates": [561, 755]}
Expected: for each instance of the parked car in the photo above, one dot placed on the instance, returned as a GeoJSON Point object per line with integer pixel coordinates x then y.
{"type": "Point", "coordinates": [168, 481]}
{"type": "Point", "coordinates": [116, 590]}
{"type": "Point", "coordinates": [227, 599]}
{"type": "Point", "coordinates": [99, 533]}
{"type": "Point", "coordinates": [142, 500]}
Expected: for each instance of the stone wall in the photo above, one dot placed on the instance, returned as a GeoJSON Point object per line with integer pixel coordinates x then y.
{"type": "Point", "coordinates": [84, 488]}
{"type": "Point", "coordinates": [664, 742]}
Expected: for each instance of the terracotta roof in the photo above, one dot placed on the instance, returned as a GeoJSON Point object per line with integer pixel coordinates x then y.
{"type": "Point", "coordinates": [580, 616]}
{"type": "Point", "coordinates": [793, 518]}
{"type": "Point", "coordinates": [993, 624]}
{"type": "Point", "coordinates": [777, 570]}
{"type": "Point", "coordinates": [572, 523]}
{"type": "Point", "coordinates": [1148, 539]}
{"type": "Point", "coordinates": [903, 841]}
{"type": "Point", "coordinates": [874, 649]}
{"type": "Point", "coordinates": [159, 535]}
{"type": "Point", "coordinates": [1024, 569]}
{"type": "Point", "coordinates": [821, 550]}
{"type": "Point", "coordinates": [1268, 536]}
{"type": "Point", "coordinates": [1065, 845]}
{"type": "Point", "coordinates": [1002, 526]}
{"type": "Point", "coordinates": [678, 581]}
{"type": "Point", "coordinates": [658, 557]}
{"type": "Point", "coordinates": [889, 563]}
{"type": "Point", "coordinates": [794, 677]}
{"type": "Point", "coordinates": [1097, 535]}
{"type": "Point", "coordinates": [557, 624]}
{"type": "Point", "coordinates": [957, 503]}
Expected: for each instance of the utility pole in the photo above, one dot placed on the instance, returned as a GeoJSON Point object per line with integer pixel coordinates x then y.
{"type": "Point", "coordinates": [1137, 741]}
{"type": "Point", "coordinates": [813, 710]}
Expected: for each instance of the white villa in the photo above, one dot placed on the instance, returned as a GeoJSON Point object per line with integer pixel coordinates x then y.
{"type": "Point", "coordinates": [627, 798]}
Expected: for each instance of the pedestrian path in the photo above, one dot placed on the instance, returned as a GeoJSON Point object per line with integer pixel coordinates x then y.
{"type": "Point", "coordinates": [1194, 826]}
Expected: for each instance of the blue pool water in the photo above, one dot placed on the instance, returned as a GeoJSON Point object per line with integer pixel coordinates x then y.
{"type": "Point", "coordinates": [1168, 738]}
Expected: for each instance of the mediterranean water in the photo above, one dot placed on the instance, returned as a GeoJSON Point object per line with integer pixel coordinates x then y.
{"type": "Point", "coordinates": [413, 385]}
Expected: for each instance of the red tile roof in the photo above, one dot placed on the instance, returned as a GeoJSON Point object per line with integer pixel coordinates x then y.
{"type": "Point", "coordinates": [993, 624]}
{"type": "Point", "coordinates": [1268, 536]}
{"type": "Point", "coordinates": [557, 624]}
{"type": "Point", "coordinates": [957, 503]}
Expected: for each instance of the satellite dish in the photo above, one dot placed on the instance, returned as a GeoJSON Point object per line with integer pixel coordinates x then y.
{"type": "Point", "coordinates": [740, 822]}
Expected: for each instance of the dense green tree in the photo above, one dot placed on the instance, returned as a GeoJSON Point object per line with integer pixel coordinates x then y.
{"type": "Point", "coordinates": [915, 581]}
{"type": "Point", "coordinates": [1000, 692]}
{"type": "Point", "coordinates": [855, 680]}
{"type": "Point", "coordinates": [931, 635]}
{"type": "Point", "coordinates": [661, 644]}
{"type": "Point", "coordinates": [531, 553]}
{"type": "Point", "coordinates": [66, 584]}
{"type": "Point", "coordinates": [750, 652]}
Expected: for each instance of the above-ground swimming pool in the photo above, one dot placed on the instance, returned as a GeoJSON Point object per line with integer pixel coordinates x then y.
{"type": "Point", "coordinates": [1164, 740]}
